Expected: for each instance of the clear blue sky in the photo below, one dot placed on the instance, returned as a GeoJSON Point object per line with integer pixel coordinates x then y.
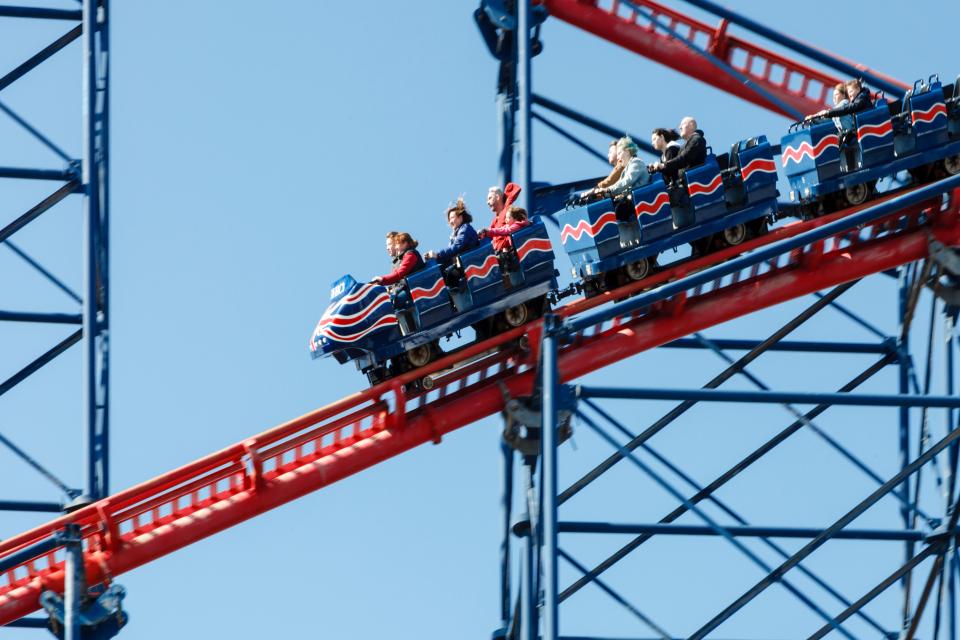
{"type": "Point", "coordinates": [259, 152]}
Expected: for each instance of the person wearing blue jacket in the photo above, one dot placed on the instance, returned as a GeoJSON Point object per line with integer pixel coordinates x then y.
{"type": "Point", "coordinates": [462, 238]}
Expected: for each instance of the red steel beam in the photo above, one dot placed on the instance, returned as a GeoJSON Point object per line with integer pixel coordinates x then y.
{"type": "Point", "coordinates": [802, 87]}
{"type": "Point", "coordinates": [356, 445]}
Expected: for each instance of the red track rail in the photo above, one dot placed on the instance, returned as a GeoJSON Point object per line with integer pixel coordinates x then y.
{"type": "Point", "coordinates": [214, 493]}
{"type": "Point", "coordinates": [798, 85]}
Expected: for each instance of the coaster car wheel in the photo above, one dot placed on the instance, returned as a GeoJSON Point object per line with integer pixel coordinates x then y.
{"type": "Point", "coordinates": [639, 269]}
{"type": "Point", "coordinates": [732, 236]}
{"type": "Point", "coordinates": [951, 165]}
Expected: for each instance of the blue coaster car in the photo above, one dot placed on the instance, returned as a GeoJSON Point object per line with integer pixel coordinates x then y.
{"type": "Point", "coordinates": [810, 157]}
{"type": "Point", "coordinates": [841, 168]}
{"type": "Point", "coordinates": [386, 332]}
{"type": "Point", "coordinates": [612, 242]}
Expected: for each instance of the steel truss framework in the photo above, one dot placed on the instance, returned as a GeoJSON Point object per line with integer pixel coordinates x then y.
{"type": "Point", "coordinates": [87, 175]}
{"type": "Point", "coordinates": [929, 527]}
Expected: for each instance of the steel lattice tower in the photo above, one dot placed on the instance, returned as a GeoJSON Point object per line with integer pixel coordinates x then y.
{"type": "Point", "coordinates": [544, 573]}
{"type": "Point", "coordinates": [83, 174]}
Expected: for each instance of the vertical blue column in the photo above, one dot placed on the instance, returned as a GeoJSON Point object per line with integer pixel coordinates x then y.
{"type": "Point", "coordinates": [95, 231]}
{"type": "Point", "coordinates": [505, 138]}
{"type": "Point", "coordinates": [903, 346]}
{"type": "Point", "coordinates": [506, 504]}
{"type": "Point", "coordinates": [950, 593]}
{"type": "Point", "coordinates": [548, 552]}
{"type": "Point", "coordinates": [524, 82]}
{"type": "Point", "coordinates": [528, 590]}
{"type": "Point", "coordinates": [74, 581]}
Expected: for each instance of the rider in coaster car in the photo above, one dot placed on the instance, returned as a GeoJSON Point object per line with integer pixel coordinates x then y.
{"type": "Point", "coordinates": [499, 201]}
{"type": "Point", "coordinates": [693, 152]}
{"type": "Point", "coordinates": [666, 141]}
{"type": "Point", "coordinates": [409, 260]}
{"type": "Point", "coordinates": [516, 219]}
{"type": "Point", "coordinates": [858, 99]}
{"type": "Point", "coordinates": [462, 238]}
{"type": "Point", "coordinates": [635, 173]}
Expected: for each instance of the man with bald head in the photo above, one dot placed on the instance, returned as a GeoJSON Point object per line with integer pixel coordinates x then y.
{"type": "Point", "coordinates": [694, 151]}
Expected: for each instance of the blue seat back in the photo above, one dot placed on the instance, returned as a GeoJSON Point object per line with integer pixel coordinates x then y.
{"type": "Point", "coordinates": [430, 296]}
{"type": "Point", "coordinates": [589, 233]}
{"type": "Point", "coordinates": [705, 188]}
{"type": "Point", "coordinates": [651, 203]}
{"type": "Point", "coordinates": [928, 113]}
{"type": "Point", "coordinates": [875, 136]}
{"type": "Point", "coordinates": [534, 252]}
{"type": "Point", "coordinates": [758, 171]}
{"type": "Point", "coordinates": [481, 269]}
{"type": "Point", "coordinates": [810, 155]}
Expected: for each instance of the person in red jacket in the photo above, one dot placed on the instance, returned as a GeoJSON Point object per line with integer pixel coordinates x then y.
{"type": "Point", "coordinates": [516, 218]}
{"type": "Point", "coordinates": [499, 201]}
{"type": "Point", "coordinates": [408, 260]}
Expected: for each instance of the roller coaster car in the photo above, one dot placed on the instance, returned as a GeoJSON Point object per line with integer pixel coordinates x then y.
{"type": "Point", "coordinates": [387, 332]}
{"type": "Point", "coordinates": [724, 200]}
{"type": "Point", "coordinates": [919, 133]}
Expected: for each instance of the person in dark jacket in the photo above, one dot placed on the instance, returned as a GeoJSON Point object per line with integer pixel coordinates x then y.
{"type": "Point", "coordinates": [693, 152]}
{"type": "Point", "coordinates": [666, 141]}
{"type": "Point", "coordinates": [410, 260]}
{"type": "Point", "coordinates": [463, 238]}
{"type": "Point", "coordinates": [858, 99]}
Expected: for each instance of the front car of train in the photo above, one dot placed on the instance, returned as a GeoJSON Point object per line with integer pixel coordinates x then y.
{"type": "Point", "coordinates": [359, 320]}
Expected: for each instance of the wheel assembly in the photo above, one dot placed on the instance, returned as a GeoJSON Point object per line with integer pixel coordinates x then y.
{"type": "Point", "coordinates": [638, 270]}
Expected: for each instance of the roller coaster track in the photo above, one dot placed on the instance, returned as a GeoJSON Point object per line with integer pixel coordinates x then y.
{"type": "Point", "coordinates": [144, 523]}
{"type": "Point", "coordinates": [681, 42]}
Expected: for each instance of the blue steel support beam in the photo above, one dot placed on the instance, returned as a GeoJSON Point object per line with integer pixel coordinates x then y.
{"type": "Point", "coordinates": [49, 318]}
{"type": "Point", "coordinates": [28, 553]}
{"type": "Point", "coordinates": [877, 590]}
{"type": "Point", "coordinates": [858, 320]}
{"type": "Point", "coordinates": [47, 142]}
{"type": "Point", "coordinates": [569, 137]}
{"type": "Point", "coordinates": [725, 508]}
{"type": "Point", "coordinates": [764, 254]}
{"type": "Point", "coordinates": [720, 530]}
{"type": "Point", "coordinates": [35, 174]}
{"type": "Point", "coordinates": [528, 590]}
{"type": "Point", "coordinates": [587, 121]}
{"type": "Point", "coordinates": [785, 345]}
{"type": "Point", "coordinates": [506, 504]}
{"type": "Point", "coordinates": [46, 274]}
{"type": "Point", "coordinates": [40, 56]}
{"type": "Point", "coordinates": [550, 381]}
{"type": "Point", "coordinates": [43, 206]}
{"type": "Point", "coordinates": [715, 382]}
{"type": "Point", "coordinates": [777, 574]}
{"type": "Point", "coordinates": [823, 57]}
{"type": "Point", "coordinates": [21, 375]}
{"type": "Point", "coordinates": [617, 597]}
{"type": "Point", "coordinates": [524, 87]}
{"type": "Point", "coordinates": [896, 535]}
{"type": "Point", "coordinates": [903, 424]}
{"type": "Point", "coordinates": [713, 486]}
{"type": "Point", "coordinates": [23, 505]}
{"type": "Point", "coordinates": [39, 468]}
{"type": "Point", "coordinates": [779, 397]}
{"type": "Point", "coordinates": [29, 623]}
{"type": "Point", "coordinates": [9, 11]}
{"type": "Point", "coordinates": [906, 504]}
{"type": "Point", "coordinates": [96, 274]}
